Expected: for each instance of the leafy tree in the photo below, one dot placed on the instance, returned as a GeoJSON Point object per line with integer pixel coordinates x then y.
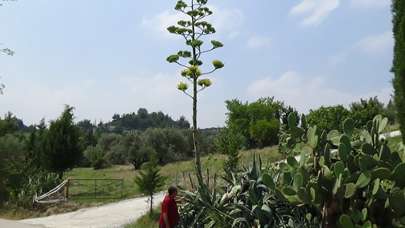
{"type": "Point", "coordinates": [140, 154]}
{"type": "Point", "coordinates": [265, 132]}
{"type": "Point", "coordinates": [12, 157]}
{"type": "Point", "coordinates": [142, 120]}
{"type": "Point", "coordinates": [63, 145]}
{"type": "Point", "coordinates": [193, 30]}
{"type": "Point", "coordinates": [391, 112]}
{"type": "Point", "coordinates": [398, 11]}
{"type": "Point", "coordinates": [328, 118]}
{"type": "Point", "coordinates": [150, 181]}
{"type": "Point", "coordinates": [96, 156]}
{"type": "Point", "coordinates": [9, 124]}
{"type": "Point", "coordinates": [258, 121]}
{"type": "Point", "coordinates": [169, 144]}
{"type": "Point", "coordinates": [365, 110]}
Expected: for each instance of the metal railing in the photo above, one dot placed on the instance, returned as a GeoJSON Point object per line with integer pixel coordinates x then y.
{"type": "Point", "coordinates": [94, 188]}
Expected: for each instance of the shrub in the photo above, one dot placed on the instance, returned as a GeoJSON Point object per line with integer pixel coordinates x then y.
{"type": "Point", "coordinates": [150, 181]}
{"type": "Point", "coordinates": [229, 143]}
{"type": "Point", "coordinates": [38, 183]}
{"type": "Point", "coordinates": [96, 156]}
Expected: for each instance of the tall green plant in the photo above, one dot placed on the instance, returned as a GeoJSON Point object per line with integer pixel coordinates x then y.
{"type": "Point", "coordinates": [194, 29]}
{"type": "Point", "coordinates": [150, 181]}
{"type": "Point", "coordinates": [398, 11]}
{"type": "Point", "coordinates": [229, 143]}
{"type": "Point", "coordinates": [62, 144]}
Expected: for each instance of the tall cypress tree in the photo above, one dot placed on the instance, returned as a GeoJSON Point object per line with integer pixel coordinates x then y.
{"type": "Point", "coordinates": [62, 143]}
{"type": "Point", "coordinates": [398, 11]}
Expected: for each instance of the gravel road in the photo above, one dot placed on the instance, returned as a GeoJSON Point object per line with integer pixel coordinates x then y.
{"type": "Point", "coordinates": [106, 216]}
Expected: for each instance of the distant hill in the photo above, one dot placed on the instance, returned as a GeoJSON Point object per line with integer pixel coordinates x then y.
{"type": "Point", "coordinates": [142, 120]}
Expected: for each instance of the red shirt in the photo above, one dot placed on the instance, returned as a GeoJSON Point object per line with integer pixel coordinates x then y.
{"type": "Point", "coordinates": [169, 206]}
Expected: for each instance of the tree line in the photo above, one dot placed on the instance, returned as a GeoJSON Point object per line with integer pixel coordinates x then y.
{"type": "Point", "coordinates": [33, 159]}
{"type": "Point", "coordinates": [259, 122]}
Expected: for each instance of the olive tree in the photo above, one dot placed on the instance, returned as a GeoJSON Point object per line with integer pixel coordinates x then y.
{"type": "Point", "coordinates": [194, 29]}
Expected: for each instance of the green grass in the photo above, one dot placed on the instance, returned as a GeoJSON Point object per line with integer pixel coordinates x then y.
{"type": "Point", "coordinates": [177, 174]}
{"type": "Point", "coordinates": [393, 143]}
{"type": "Point", "coordinates": [146, 221]}
{"type": "Point", "coordinates": [391, 128]}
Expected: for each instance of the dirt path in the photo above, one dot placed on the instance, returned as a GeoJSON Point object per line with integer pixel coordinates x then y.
{"type": "Point", "coordinates": [106, 216]}
{"type": "Point", "coordinates": [16, 224]}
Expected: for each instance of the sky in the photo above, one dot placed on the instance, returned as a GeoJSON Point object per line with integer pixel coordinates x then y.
{"type": "Point", "coordinates": [107, 56]}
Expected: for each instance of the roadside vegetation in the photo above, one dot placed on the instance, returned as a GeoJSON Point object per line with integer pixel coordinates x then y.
{"type": "Point", "coordinates": [346, 175]}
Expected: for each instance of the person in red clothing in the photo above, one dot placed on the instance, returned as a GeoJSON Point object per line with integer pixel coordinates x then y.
{"type": "Point", "coordinates": [169, 216]}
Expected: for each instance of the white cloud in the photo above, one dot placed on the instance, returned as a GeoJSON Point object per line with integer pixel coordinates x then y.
{"type": "Point", "coordinates": [99, 100]}
{"type": "Point", "coordinates": [314, 11]}
{"type": "Point", "coordinates": [367, 4]}
{"type": "Point", "coordinates": [377, 44]}
{"type": "Point", "coordinates": [305, 94]}
{"type": "Point", "coordinates": [227, 22]}
{"type": "Point", "coordinates": [259, 42]}
{"type": "Point", "coordinates": [160, 22]}
{"type": "Point", "coordinates": [373, 45]}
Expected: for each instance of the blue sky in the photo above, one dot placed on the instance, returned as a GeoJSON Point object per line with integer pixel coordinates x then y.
{"type": "Point", "coordinates": [107, 56]}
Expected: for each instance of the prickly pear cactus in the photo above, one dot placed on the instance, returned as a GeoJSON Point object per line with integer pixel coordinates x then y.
{"type": "Point", "coordinates": [352, 177]}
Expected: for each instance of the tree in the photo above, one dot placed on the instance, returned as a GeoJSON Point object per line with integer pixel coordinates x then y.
{"type": "Point", "coordinates": [150, 181]}
{"type": "Point", "coordinates": [398, 11]}
{"type": "Point", "coordinates": [258, 121]}
{"type": "Point", "coordinates": [391, 112]}
{"type": "Point", "coordinates": [96, 156]}
{"type": "Point", "coordinates": [265, 132]}
{"type": "Point", "coordinates": [62, 143]}
{"type": "Point", "coordinates": [328, 118]}
{"type": "Point", "coordinates": [193, 30]}
{"type": "Point", "coordinates": [365, 110]}
{"type": "Point", "coordinates": [12, 156]}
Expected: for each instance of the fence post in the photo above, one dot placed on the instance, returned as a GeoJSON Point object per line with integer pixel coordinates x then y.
{"type": "Point", "coordinates": [122, 188]}
{"type": "Point", "coordinates": [95, 188]}
{"type": "Point", "coordinates": [67, 189]}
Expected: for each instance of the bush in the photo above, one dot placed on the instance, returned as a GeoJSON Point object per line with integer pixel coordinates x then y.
{"type": "Point", "coordinates": [36, 184]}
{"type": "Point", "coordinates": [96, 156]}
{"type": "Point", "coordinates": [229, 143]}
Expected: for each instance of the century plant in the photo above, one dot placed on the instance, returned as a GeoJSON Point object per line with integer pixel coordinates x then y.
{"type": "Point", "coordinates": [250, 200]}
{"type": "Point", "coordinates": [352, 178]}
{"type": "Point", "coordinates": [194, 29]}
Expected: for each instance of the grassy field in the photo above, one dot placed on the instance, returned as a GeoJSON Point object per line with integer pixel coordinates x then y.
{"type": "Point", "coordinates": [146, 221]}
{"type": "Point", "coordinates": [177, 174]}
